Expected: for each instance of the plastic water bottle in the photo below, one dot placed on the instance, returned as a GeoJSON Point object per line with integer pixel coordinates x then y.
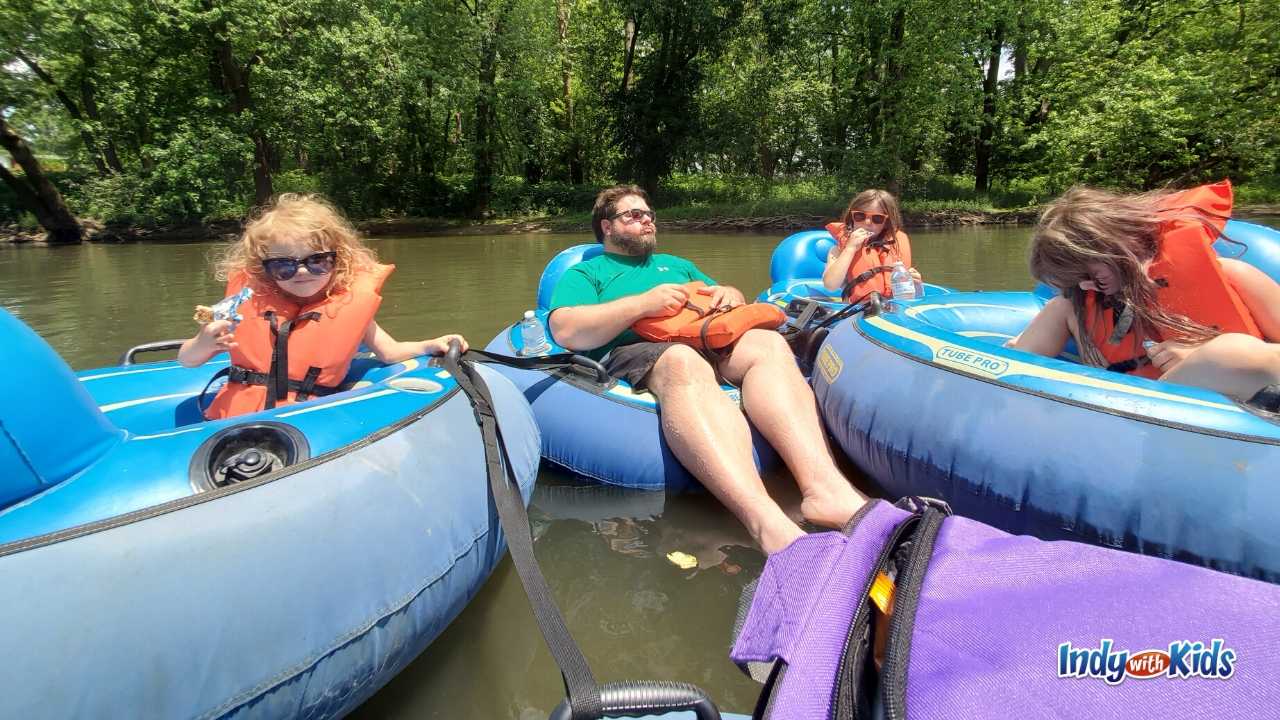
{"type": "Point", "coordinates": [901, 284]}
{"type": "Point", "coordinates": [532, 335]}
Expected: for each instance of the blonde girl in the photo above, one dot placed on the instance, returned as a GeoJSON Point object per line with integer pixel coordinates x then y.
{"type": "Point", "coordinates": [316, 287]}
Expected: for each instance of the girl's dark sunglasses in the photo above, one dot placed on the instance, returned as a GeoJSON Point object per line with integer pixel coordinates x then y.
{"type": "Point", "coordinates": [876, 218]}
{"type": "Point", "coordinates": [283, 268]}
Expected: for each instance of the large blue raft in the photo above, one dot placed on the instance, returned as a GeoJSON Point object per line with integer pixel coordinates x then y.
{"type": "Point", "coordinates": [137, 583]}
{"type": "Point", "coordinates": [927, 401]}
{"type": "Point", "coordinates": [596, 427]}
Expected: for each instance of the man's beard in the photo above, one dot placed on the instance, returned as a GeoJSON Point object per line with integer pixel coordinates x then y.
{"type": "Point", "coordinates": [637, 245]}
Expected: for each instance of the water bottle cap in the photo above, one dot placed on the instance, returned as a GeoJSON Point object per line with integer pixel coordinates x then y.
{"type": "Point", "coordinates": [528, 315]}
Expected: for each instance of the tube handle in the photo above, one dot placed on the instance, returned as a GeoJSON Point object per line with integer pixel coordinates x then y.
{"type": "Point", "coordinates": [128, 357]}
{"type": "Point", "coordinates": [638, 698]}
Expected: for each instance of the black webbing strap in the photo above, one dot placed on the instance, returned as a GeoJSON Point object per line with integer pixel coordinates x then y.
{"type": "Point", "coordinates": [278, 384]}
{"type": "Point", "coordinates": [1128, 366]}
{"type": "Point", "coordinates": [308, 384]}
{"type": "Point", "coordinates": [580, 684]}
{"type": "Point", "coordinates": [245, 376]}
{"type": "Point", "coordinates": [558, 361]}
{"type": "Point", "coordinates": [224, 372]}
{"type": "Point", "coordinates": [864, 276]}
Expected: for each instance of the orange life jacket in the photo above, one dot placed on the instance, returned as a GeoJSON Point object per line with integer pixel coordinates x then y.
{"type": "Point", "coordinates": [705, 328]}
{"type": "Point", "coordinates": [1189, 277]}
{"type": "Point", "coordinates": [869, 271]}
{"type": "Point", "coordinates": [287, 352]}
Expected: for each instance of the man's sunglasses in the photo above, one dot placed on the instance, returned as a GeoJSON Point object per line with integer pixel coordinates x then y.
{"type": "Point", "coordinates": [634, 216]}
{"type": "Point", "coordinates": [283, 268]}
{"type": "Point", "coordinates": [876, 218]}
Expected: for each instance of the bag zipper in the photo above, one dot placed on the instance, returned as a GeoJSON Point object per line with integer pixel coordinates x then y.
{"type": "Point", "coordinates": [906, 601]}
{"type": "Point", "coordinates": [842, 705]}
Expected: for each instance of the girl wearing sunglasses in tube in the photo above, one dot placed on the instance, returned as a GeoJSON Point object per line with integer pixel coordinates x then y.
{"type": "Point", "coordinates": [316, 289]}
{"type": "Point", "coordinates": [869, 242]}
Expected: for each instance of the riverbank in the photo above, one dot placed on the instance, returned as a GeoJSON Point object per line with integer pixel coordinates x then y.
{"type": "Point", "coordinates": [673, 220]}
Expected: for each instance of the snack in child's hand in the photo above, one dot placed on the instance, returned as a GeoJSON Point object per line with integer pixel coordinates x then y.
{"type": "Point", "coordinates": [225, 309]}
{"type": "Point", "coordinates": [204, 314]}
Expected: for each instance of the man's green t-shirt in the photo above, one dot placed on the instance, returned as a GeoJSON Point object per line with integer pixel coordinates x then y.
{"type": "Point", "coordinates": [610, 277]}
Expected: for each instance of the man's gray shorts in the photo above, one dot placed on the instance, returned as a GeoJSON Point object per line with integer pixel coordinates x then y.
{"type": "Point", "coordinates": [634, 362]}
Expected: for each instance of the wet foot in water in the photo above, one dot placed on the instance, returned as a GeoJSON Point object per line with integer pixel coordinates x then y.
{"type": "Point", "coordinates": [831, 508]}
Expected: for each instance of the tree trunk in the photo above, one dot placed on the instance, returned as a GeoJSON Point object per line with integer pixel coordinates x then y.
{"type": "Point", "coordinates": [890, 101]}
{"type": "Point", "coordinates": [235, 82]}
{"type": "Point", "coordinates": [629, 38]}
{"type": "Point", "coordinates": [36, 192]}
{"type": "Point", "coordinates": [832, 155]}
{"type": "Point", "coordinates": [88, 95]}
{"type": "Point", "coordinates": [987, 130]}
{"type": "Point", "coordinates": [564, 10]}
{"type": "Point", "coordinates": [77, 117]}
{"type": "Point", "coordinates": [486, 120]}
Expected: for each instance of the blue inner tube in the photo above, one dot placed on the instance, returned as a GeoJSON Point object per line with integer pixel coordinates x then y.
{"type": "Point", "coordinates": [299, 592]}
{"type": "Point", "coordinates": [927, 401]}
{"type": "Point", "coordinates": [603, 432]}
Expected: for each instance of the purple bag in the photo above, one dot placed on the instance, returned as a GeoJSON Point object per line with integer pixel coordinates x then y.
{"type": "Point", "coordinates": [989, 625]}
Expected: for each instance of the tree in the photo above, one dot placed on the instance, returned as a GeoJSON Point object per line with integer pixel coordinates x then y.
{"type": "Point", "coordinates": [35, 191]}
{"type": "Point", "coordinates": [672, 42]}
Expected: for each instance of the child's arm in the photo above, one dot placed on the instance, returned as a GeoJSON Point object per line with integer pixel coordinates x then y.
{"type": "Point", "coordinates": [839, 260]}
{"type": "Point", "coordinates": [390, 350]}
{"type": "Point", "coordinates": [213, 338]}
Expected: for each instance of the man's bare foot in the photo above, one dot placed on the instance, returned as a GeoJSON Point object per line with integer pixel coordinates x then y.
{"type": "Point", "coordinates": [831, 508]}
{"type": "Point", "coordinates": [779, 536]}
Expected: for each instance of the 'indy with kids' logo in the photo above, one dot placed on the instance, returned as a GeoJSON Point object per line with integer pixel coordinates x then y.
{"type": "Point", "coordinates": [1184, 659]}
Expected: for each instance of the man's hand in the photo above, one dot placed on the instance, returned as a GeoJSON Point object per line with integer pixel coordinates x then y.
{"type": "Point", "coordinates": [1169, 354]}
{"type": "Point", "coordinates": [665, 300]}
{"type": "Point", "coordinates": [723, 296]}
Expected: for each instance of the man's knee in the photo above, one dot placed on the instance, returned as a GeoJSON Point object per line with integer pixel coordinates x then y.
{"type": "Point", "coordinates": [763, 346]}
{"type": "Point", "coordinates": [680, 365]}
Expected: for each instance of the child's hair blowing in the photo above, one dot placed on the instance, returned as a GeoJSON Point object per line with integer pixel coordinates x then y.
{"type": "Point", "coordinates": [1122, 232]}
{"type": "Point", "coordinates": [305, 218]}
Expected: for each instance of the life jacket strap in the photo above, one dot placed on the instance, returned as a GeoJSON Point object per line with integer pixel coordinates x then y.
{"type": "Point", "coordinates": [278, 383]}
{"type": "Point", "coordinates": [864, 276]}
{"type": "Point", "coordinates": [1128, 366]}
{"type": "Point", "coordinates": [307, 385]}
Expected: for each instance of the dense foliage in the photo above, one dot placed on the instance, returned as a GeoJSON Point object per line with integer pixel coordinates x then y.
{"type": "Point", "coordinates": [163, 110]}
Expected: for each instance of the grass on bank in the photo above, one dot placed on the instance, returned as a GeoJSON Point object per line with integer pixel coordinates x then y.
{"type": "Point", "coordinates": [445, 201]}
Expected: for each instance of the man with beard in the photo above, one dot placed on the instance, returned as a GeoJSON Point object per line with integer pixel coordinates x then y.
{"type": "Point", "coordinates": [594, 306]}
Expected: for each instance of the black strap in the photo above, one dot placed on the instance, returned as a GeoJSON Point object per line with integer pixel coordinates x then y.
{"type": "Point", "coordinates": [278, 383]}
{"type": "Point", "coordinates": [1128, 366]}
{"type": "Point", "coordinates": [308, 384]}
{"type": "Point", "coordinates": [224, 372]}
{"type": "Point", "coordinates": [245, 376]}
{"type": "Point", "coordinates": [864, 276]}
{"type": "Point", "coordinates": [580, 684]}
{"type": "Point", "coordinates": [559, 361]}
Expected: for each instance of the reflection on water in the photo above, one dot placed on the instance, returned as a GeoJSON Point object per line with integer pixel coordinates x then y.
{"type": "Point", "coordinates": [606, 553]}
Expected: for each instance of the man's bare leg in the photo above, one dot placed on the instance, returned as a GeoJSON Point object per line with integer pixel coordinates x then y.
{"type": "Point", "coordinates": [781, 405]}
{"type": "Point", "coordinates": [709, 434]}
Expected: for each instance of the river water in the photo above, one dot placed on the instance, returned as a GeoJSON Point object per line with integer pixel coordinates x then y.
{"type": "Point", "coordinates": [635, 613]}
